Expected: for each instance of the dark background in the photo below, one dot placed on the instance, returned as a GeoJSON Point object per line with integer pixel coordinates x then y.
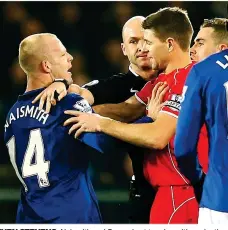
{"type": "Point", "coordinates": [91, 32]}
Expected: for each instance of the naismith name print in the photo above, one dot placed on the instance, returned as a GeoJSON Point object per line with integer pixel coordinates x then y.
{"type": "Point", "coordinates": [27, 111]}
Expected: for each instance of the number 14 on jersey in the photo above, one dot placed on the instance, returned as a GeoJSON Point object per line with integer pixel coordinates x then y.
{"type": "Point", "coordinates": [34, 153]}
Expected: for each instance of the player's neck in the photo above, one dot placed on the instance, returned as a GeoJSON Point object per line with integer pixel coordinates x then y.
{"type": "Point", "coordinates": [146, 74]}
{"type": "Point", "coordinates": [179, 60]}
{"type": "Point", "coordinates": [37, 81]}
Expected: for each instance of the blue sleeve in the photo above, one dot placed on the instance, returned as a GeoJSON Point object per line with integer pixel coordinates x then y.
{"type": "Point", "coordinates": [99, 141]}
{"type": "Point", "coordinates": [102, 143]}
{"type": "Point", "coordinates": [107, 144]}
{"type": "Point", "coordinates": [188, 128]}
{"type": "Point", "coordinates": [144, 119]}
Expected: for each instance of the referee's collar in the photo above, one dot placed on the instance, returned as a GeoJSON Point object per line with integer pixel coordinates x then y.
{"type": "Point", "coordinates": [133, 71]}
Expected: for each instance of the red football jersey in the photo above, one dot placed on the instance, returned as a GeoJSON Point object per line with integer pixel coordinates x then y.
{"type": "Point", "coordinates": [203, 149]}
{"type": "Point", "coordinates": [160, 166]}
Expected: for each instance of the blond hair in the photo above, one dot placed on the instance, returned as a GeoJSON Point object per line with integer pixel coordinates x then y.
{"type": "Point", "coordinates": [32, 50]}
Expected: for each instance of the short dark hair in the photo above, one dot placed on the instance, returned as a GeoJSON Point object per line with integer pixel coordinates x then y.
{"type": "Point", "coordinates": [171, 22]}
{"type": "Point", "coordinates": [220, 26]}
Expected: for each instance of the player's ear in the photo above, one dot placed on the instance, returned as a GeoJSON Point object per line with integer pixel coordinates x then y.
{"type": "Point", "coordinates": [169, 43]}
{"type": "Point", "coordinates": [123, 49]}
{"type": "Point", "coordinates": [222, 47]}
{"type": "Point", "coordinates": [46, 66]}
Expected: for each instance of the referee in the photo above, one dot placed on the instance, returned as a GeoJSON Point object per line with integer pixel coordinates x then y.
{"type": "Point", "coordinates": [119, 88]}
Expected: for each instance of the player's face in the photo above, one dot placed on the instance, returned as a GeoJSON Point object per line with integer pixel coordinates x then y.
{"type": "Point", "coordinates": [158, 52]}
{"type": "Point", "coordinates": [61, 61]}
{"type": "Point", "coordinates": [132, 47]}
{"type": "Point", "coordinates": [204, 45]}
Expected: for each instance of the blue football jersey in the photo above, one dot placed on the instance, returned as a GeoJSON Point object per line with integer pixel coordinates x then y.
{"type": "Point", "coordinates": [205, 100]}
{"type": "Point", "coordinates": [51, 165]}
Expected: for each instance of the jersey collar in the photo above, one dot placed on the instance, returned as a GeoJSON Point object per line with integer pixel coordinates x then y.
{"type": "Point", "coordinates": [131, 70]}
{"type": "Point", "coordinates": [30, 94]}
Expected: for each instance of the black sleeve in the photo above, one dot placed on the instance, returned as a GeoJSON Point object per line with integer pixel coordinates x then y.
{"type": "Point", "coordinates": [111, 90]}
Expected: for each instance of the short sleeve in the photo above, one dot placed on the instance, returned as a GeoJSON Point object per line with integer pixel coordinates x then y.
{"type": "Point", "coordinates": [145, 92]}
{"type": "Point", "coordinates": [172, 105]}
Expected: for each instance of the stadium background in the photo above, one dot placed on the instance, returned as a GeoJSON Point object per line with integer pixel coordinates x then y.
{"type": "Point", "coordinates": [91, 31]}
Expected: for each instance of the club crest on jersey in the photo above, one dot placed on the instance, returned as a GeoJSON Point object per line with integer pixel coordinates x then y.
{"type": "Point", "coordinates": [174, 102]}
{"type": "Point", "coordinates": [83, 106]}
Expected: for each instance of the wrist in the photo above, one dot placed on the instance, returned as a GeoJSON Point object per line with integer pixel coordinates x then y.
{"type": "Point", "coordinates": [104, 123]}
{"type": "Point", "coordinates": [64, 81]}
{"type": "Point", "coordinates": [151, 115]}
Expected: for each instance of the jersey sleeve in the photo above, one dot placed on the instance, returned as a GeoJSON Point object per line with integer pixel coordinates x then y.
{"type": "Point", "coordinates": [173, 103]}
{"type": "Point", "coordinates": [189, 124]}
{"type": "Point", "coordinates": [99, 141]}
{"type": "Point", "coordinates": [110, 90]}
{"type": "Point", "coordinates": [145, 93]}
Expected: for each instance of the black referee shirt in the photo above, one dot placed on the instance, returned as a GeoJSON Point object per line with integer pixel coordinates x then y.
{"type": "Point", "coordinates": [115, 89]}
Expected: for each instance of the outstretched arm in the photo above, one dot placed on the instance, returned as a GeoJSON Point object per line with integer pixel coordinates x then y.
{"type": "Point", "coordinates": [154, 135]}
{"type": "Point", "coordinates": [126, 111]}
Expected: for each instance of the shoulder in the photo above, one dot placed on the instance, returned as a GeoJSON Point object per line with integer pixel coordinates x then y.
{"type": "Point", "coordinates": [183, 72]}
{"type": "Point", "coordinates": [69, 99]}
{"type": "Point", "coordinates": [75, 101]}
{"type": "Point", "coordinates": [180, 75]}
{"type": "Point", "coordinates": [106, 84]}
{"type": "Point", "coordinates": [13, 108]}
{"type": "Point", "coordinates": [115, 77]}
{"type": "Point", "coordinates": [213, 63]}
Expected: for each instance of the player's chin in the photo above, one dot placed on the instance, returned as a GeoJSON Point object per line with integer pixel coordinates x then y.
{"type": "Point", "coordinates": [69, 77]}
{"type": "Point", "coordinates": [194, 58]}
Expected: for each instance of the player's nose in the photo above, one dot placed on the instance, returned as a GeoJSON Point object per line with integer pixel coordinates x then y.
{"type": "Point", "coordinates": [140, 45]}
{"type": "Point", "coordinates": [70, 57]}
{"type": "Point", "coordinates": [144, 47]}
{"type": "Point", "coordinates": [193, 50]}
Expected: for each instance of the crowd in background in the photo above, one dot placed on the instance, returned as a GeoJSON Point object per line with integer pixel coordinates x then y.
{"type": "Point", "coordinates": [91, 32]}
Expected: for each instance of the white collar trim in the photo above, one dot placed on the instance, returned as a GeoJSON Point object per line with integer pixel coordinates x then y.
{"type": "Point", "coordinates": [133, 71]}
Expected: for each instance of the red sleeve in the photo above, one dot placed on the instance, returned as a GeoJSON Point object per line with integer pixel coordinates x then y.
{"type": "Point", "coordinates": [145, 92]}
{"type": "Point", "coordinates": [172, 104]}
